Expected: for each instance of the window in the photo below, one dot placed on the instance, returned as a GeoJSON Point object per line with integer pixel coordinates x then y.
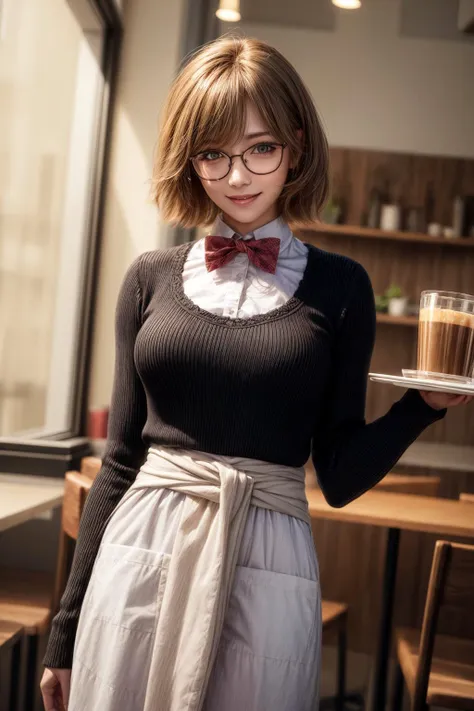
{"type": "Point", "coordinates": [57, 58]}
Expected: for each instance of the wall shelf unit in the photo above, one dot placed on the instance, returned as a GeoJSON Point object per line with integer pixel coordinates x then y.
{"type": "Point", "coordinates": [397, 320]}
{"type": "Point", "coordinates": [356, 231]}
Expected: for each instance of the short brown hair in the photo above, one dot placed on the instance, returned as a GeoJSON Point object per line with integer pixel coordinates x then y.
{"type": "Point", "coordinates": [206, 108]}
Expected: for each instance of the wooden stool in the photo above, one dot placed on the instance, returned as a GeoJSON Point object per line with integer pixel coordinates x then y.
{"type": "Point", "coordinates": [11, 635]}
{"type": "Point", "coordinates": [76, 488]}
{"type": "Point", "coordinates": [25, 600]}
{"type": "Point", "coordinates": [334, 619]}
{"type": "Point", "coordinates": [437, 664]}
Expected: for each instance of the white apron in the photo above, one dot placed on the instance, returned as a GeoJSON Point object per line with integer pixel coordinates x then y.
{"type": "Point", "coordinates": [148, 625]}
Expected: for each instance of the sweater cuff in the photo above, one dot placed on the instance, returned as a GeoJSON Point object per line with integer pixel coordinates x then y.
{"type": "Point", "coordinates": [59, 651]}
{"type": "Point", "coordinates": [414, 406]}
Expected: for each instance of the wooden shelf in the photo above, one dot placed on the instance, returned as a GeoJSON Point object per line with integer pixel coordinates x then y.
{"type": "Point", "coordinates": [397, 320]}
{"type": "Point", "coordinates": [369, 233]}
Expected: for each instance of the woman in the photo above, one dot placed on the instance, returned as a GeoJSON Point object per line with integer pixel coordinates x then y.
{"type": "Point", "coordinates": [195, 581]}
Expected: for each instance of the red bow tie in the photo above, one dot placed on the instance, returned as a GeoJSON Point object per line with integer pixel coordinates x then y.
{"type": "Point", "coordinates": [263, 253]}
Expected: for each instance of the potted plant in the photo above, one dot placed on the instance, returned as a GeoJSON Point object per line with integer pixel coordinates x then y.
{"type": "Point", "coordinates": [397, 302]}
{"type": "Point", "coordinates": [332, 212]}
{"type": "Point", "coordinates": [381, 303]}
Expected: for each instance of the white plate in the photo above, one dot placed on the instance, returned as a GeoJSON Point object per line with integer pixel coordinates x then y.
{"type": "Point", "coordinates": [438, 377]}
{"type": "Point", "coordinates": [419, 384]}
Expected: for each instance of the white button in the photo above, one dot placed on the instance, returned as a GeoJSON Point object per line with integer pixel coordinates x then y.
{"type": "Point", "coordinates": [240, 277]}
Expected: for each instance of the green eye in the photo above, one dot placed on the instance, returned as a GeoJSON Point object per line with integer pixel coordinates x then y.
{"type": "Point", "coordinates": [209, 156]}
{"type": "Point", "coordinates": [263, 148]}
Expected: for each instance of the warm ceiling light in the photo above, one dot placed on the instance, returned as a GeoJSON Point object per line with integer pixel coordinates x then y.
{"type": "Point", "coordinates": [347, 4]}
{"type": "Point", "coordinates": [229, 10]}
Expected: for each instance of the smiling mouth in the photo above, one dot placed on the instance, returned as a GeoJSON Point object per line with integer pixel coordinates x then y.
{"type": "Point", "coordinates": [243, 199]}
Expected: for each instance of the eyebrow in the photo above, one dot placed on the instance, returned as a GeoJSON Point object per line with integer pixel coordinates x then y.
{"type": "Point", "coordinates": [258, 134]}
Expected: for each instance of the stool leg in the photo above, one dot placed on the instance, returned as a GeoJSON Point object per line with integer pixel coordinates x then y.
{"type": "Point", "coordinates": [341, 667]}
{"type": "Point", "coordinates": [31, 669]}
{"type": "Point", "coordinates": [15, 675]}
{"type": "Point", "coordinates": [398, 684]}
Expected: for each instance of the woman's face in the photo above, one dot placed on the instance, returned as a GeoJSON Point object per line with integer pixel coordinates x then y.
{"type": "Point", "coordinates": [247, 200]}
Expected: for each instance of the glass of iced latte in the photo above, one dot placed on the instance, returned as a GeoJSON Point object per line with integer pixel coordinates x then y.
{"type": "Point", "coordinates": [446, 336]}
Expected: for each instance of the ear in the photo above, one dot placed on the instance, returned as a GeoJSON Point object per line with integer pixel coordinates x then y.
{"type": "Point", "coordinates": [299, 136]}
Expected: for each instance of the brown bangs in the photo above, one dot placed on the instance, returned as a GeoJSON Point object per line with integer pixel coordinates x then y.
{"type": "Point", "coordinates": [220, 114]}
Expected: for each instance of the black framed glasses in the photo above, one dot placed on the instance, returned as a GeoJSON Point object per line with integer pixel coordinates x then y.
{"type": "Point", "coordinates": [260, 159]}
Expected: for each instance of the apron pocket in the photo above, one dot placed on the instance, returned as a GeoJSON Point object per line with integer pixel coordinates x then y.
{"type": "Point", "coordinates": [273, 615]}
{"type": "Point", "coordinates": [116, 628]}
{"type": "Point", "coordinates": [125, 586]}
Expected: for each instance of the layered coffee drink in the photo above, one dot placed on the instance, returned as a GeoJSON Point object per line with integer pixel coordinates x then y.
{"type": "Point", "coordinates": [446, 339]}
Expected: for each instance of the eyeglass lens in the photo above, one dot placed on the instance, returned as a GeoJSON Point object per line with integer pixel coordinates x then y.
{"type": "Point", "coordinates": [260, 159]}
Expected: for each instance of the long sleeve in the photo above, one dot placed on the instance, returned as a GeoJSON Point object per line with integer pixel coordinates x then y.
{"type": "Point", "coordinates": [349, 455]}
{"type": "Point", "coordinates": [122, 459]}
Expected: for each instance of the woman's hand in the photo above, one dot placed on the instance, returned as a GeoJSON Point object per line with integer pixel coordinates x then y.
{"type": "Point", "coordinates": [441, 400]}
{"type": "Point", "coordinates": [55, 686]}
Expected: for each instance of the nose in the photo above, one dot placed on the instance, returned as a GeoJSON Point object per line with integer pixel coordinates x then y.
{"type": "Point", "coordinates": [239, 175]}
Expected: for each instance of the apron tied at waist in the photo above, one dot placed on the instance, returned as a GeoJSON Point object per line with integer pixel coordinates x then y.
{"type": "Point", "coordinates": [219, 491]}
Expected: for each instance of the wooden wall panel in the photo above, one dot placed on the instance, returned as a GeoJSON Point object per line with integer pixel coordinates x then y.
{"type": "Point", "coordinates": [355, 172]}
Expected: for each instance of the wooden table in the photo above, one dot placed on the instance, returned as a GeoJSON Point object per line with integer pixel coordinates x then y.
{"type": "Point", "coordinates": [397, 512]}
{"type": "Point", "coordinates": [24, 497]}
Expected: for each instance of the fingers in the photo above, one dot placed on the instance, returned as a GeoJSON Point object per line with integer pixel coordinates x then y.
{"type": "Point", "coordinates": [49, 698]}
{"type": "Point", "coordinates": [438, 399]}
{"type": "Point", "coordinates": [55, 689]}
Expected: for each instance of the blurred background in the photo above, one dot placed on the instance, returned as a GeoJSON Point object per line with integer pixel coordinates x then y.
{"type": "Point", "coordinates": [82, 85]}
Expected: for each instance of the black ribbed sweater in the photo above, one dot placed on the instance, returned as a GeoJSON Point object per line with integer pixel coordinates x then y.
{"type": "Point", "coordinates": [266, 387]}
